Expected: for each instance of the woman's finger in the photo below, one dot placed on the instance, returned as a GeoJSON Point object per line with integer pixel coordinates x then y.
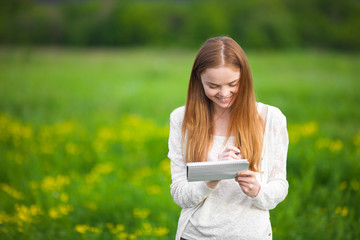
{"type": "Point", "coordinates": [232, 148]}
{"type": "Point", "coordinates": [228, 156]}
{"type": "Point", "coordinates": [243, 181]}
{"type": "Point", "coordinates": [244, 189]}
{"type": "Point", "coordinates": [248, 182]}
{"type": "Point", "coordinates": [246, 173]}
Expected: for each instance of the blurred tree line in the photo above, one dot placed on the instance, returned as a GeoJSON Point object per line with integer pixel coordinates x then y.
{"type": "Point", "coordinates": [330, 24]}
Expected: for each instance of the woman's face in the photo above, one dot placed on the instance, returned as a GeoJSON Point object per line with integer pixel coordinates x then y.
{"type": "Point", "coordinates": [221, 85]}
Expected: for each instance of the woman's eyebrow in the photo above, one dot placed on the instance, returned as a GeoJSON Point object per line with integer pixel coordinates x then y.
{"type": "Point", "coordinates": [214, 84]}
{"type": "Point", "coordinates": [210, 83]}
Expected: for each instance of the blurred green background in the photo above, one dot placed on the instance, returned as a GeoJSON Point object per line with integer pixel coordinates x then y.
{"type": "Point", "coordinates": [256, 24]}
{"type": "Point", "coordinates": [87, 87]}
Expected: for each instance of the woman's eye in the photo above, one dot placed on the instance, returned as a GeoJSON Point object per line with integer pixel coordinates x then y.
{"type": "Point", "coordinates": [212, 87]}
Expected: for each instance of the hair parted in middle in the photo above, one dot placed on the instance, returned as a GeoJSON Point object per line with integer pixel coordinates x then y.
{"type": "Point", "coordinates": [246, 124]}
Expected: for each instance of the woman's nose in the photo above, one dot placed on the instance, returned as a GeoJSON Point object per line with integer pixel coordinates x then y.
{"type": "Point", "coordinates": [224, 91]}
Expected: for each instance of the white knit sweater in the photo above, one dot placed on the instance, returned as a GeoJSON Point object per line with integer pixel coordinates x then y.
{"type": "Point", "coordinates": [226, 212]}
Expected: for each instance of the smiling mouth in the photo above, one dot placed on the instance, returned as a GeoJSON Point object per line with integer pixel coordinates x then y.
{"type": "Point", "coordinates": [224, 100]}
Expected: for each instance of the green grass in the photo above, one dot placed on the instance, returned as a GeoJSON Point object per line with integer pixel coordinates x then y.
{"type": "Point", "coordinates": [98, 85]}
{"type": "Point", "coordinates": [83, 141]}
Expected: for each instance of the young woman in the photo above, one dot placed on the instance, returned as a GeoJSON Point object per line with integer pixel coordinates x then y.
{"type": "Point", "coordinates": [221, 121]}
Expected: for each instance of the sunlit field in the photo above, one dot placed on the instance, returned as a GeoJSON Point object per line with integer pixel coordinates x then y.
{"type": "Point", "coordinates": [83, 141]}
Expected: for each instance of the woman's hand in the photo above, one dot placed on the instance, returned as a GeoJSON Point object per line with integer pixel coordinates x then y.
{"type": "Point", "coordinates": [230, 153]}
{"type": "Point", "coordinates": [248, 183]}
{"type": "Point", "coordinates": [212, 184]}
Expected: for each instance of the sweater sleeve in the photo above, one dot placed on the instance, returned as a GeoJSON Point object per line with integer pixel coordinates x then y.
{"type": "Point", "coordinates": [276, 188]}
{"type": "Point", "coordinates": [185, 194]}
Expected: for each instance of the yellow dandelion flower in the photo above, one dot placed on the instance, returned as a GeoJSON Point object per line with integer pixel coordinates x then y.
{"type": "Point", "coordinates": [24, 214]}
{"type": "Point", "coordinates": [337, 209]}
{"type": "Point", "coordinates": [97, 171]}
{"type": "Point", "coordinates": [104, 168]}
{"type": "Point", "coordinates": [11, 191]}
{"type": "Point", "coordinates": [161, 231]}
{"type": "Point", "coordinates": [63, 180]}
{"type": "Point", "coordinates": [310, 128]}
{"type": "Point", "coordinates": [35, 210]}
{"type": "Point", "coordinates": [54, 213]}
{"type": "Point", "coordinates": [115, 229]}
{"type": "Point", "coordinates": [132, 236]}
{"type": "Point", "coordinates": [15, 129]}
{"type": "Point", "coordinates": [107, 133]}
{"type": "Point", "coordinates": [5, 218]}
{"type": "Point", "coordinates": [298, 131]}
{"type": "Point", "coordinates": [147, 228]}
{"type": "Point", "coordinates": [141, 213]}
{"type": "Point", "coordinates": [332, 145]}
{"type": "Point", "coordinates": [122, 235]}
{"type": "Point", "coordinates": [95, 230]}
{"type": "Point", "coordinates": [336, 146]}
{"type": "Point", "coordinates": [81, 228]}
{"type": "Point", "coordinates": [50, 183]}
{"type": "Point", "coordinates": [64, 197]}
{"type": "Point", "coordinates": [109, 225]}
{"type": "Point", "coordinates": [27, 132]}
{"type": "Point", "coordinates": [65, 209]}
{"type": "Point", "coordinates": [119, 227]}
{"type": "Point", "coordinates": [344, 211]}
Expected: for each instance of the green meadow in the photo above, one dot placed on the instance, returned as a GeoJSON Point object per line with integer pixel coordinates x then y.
{"type": "Point", "coordinates": [83, 141]}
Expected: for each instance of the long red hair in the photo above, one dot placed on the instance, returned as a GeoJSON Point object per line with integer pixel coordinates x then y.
{"type": "Point", "coordinates": [245, 123]}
